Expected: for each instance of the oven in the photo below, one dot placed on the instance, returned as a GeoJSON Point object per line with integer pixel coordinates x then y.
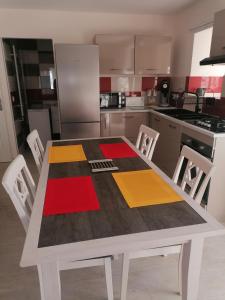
{"type": "Point", "coordinates": [197, 145]}
{"type": "Point", "coordinates": [201, 145]}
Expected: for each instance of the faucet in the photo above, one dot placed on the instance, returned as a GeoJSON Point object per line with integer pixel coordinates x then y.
{"type": "Point", "coordinates": [197, 106]}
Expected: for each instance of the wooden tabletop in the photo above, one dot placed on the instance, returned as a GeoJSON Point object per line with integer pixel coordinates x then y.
{"type": "Point", "coordinates": [115, 227]}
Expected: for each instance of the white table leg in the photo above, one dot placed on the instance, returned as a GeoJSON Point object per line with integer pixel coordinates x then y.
{"type": "Point", "coordinates": [49, 281]}
{"type": "Point", "coordinates": [125, 272]}
{"type": "Point", "coordinates": [191, 267]}
{"type": "Point", "coordinates": [108, 276]}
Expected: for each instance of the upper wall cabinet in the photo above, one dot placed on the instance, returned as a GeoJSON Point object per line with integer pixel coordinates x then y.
{"type": "Point", "coordinates": [152, 55]}
{"type": "Point", "coordinates": [116, 54]}
{"type": "Point", "coordinates": [218, 38]}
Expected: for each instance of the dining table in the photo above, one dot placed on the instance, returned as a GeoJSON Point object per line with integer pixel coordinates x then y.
{"type": "Point", "coordinates": [82, 210]}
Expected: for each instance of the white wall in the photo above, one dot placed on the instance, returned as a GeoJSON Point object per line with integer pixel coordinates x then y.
{"type": "Point", "coordinates": [77, 27]}
{"type": "Point", "coordinates": [201, 50]}
{"type": "Point", "coordinates": [187, 22]}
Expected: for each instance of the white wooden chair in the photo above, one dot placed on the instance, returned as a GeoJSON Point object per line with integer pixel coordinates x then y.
{"type": "Point", "coordinates": [197, 173]}
{"type": "Point", "coordinates": [194, 181]}
{"type": "Point", "coordinates": [146, 141]}
{"type": "Point", "coordinates": [20, 186]}
{"type": "Point", "coordinates": [36, 147]}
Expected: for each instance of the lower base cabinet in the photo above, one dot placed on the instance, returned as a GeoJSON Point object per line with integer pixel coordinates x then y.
{"type": "Point", "coordinates": [167, 150]}
{"type": "Point", "coordinates": [123, 124]}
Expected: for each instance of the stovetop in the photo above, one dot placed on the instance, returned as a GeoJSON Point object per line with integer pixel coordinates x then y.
{"type": "Point", "coordinates": [212, 124]}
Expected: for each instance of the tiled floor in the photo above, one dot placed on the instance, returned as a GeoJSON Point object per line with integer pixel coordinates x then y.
{"type": "Point", "coordinates": [150, 278]}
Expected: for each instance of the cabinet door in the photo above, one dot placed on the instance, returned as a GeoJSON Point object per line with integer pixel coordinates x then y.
{"type": "Point", "coordinates": [116, 54]}
{"type": "Point", "coordinates": [218, 38]}
{"type": "Point", "coordinates": [117, 124]}
{"type": "Point", "coordinates": [127, 124]}
{"type": "Point", "coordinates": [104, 127]}
{"type": "Point", "coordinates": [167, 149]}
{"type": "Point", "coordinates": [172, 138]}
{"type": "Point", "coordinates": [157, 124]}
{"type": "Point", "coordinates": [133, 122]}
{"type": "Point", "coordinates": [152, 55]}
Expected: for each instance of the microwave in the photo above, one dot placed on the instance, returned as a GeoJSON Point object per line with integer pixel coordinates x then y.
{"type": "Point", "coordinates": [112, 100]}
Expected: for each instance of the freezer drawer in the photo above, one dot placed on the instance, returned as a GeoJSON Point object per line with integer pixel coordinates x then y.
{"type": "Point", "coordinates": [80, 130]}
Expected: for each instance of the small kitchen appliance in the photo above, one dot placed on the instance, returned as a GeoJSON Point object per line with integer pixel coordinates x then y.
{"type": "Point", "coordinates": [112, 100]}
{"type": "Point", "coordinates": [163, 93]}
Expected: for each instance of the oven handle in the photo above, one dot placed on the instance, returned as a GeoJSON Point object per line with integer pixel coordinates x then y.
{"type": "Point", "coordinates": [197, 149]}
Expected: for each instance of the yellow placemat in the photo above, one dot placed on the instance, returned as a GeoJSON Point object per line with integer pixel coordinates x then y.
{"type": "Point", "coordinates": [142, 188]}
{"type": "Point", "coordinates": [61, 154]}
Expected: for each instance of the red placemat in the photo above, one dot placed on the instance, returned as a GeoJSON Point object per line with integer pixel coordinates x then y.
{"type": "Point", "coordinates": [118, 150]}
{"type": "Point", "coordinates": [70, 195]}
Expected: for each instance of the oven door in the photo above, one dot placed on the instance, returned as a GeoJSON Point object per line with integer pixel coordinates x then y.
{"type": "Point", "coordinates": [114, 100]}
{"type": "Point", "coordinates": [203, 149]}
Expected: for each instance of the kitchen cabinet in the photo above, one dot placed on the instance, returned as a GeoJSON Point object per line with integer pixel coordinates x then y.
{"type": "Point", "coordinates": [40, 119]}
{"type": "Point", "coordinates": [104, 125]}
{"type": "Point", "coordinates": [123, 124]}
{"type": "Point", "coordinates": [152, 55]}
{"type": "Point", "coordinates": [116, 54]}
{"type": "Point", "coordinates": [218, 38]}
{"type": "Point", "coordinates": [167, 149]}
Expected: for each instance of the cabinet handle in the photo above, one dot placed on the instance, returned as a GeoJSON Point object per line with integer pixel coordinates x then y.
{"type": "Point", "coordinates": [114, 69]}
{"type": "Point", "coordinates": [128, 117]}
{"type": "Point", "coordinates": [151, 69]}
{"type": "Point", "coordinates": [172, 126]}
{"type": "Point", "coordinates": [157, 120]}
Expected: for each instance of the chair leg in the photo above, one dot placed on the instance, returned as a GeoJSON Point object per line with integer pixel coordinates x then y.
{"type": "Point", "coordinates": [125, 271]}
{"type": "Point", "coordinates": [108, 277]}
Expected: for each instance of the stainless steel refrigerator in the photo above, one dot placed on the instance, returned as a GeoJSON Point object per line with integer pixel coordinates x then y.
{"type": "Point", "coordinates": [78, 90]}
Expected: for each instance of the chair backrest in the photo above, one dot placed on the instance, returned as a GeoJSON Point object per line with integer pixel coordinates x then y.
{"type": "Point", "coordinates": [146, 141]}
{"type": "Point", "coordinates": [20, 186]}
{"type": "Point", "coordinates": [196, 175]}
{"type": "Point", "coordinates": [36, 147]}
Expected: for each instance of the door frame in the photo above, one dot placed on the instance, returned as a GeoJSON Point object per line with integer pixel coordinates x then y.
{"type": "Point", "coordinates": [6, 105]}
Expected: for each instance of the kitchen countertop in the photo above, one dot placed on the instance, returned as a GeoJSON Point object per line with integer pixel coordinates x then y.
{"type": "Point", "coordinates": [132, 109]}
{"type": "Point", "coordinates": [191, 126]}
{"type": "Point", "coordinates": [153, 108]}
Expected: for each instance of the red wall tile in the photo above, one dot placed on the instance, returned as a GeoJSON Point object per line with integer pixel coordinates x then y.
{"type": "Point", "coordinates": [217, 109]}
{"type": "Point", "coordinates": [148, 83]}
{"type": "Point", "coordinates": [105, 84]}
{"type": "Point", "coordinates": [133, 94]}
{"type": "Point", "coordinates": [212, 84]}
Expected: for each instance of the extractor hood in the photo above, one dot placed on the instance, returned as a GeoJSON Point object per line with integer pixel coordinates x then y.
{"type": "Point", "coordinates": [220, 59]}
{"type": "Point", "coordinates": [217, 51]}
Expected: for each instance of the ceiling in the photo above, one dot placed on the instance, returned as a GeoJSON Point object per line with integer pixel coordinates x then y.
{"type": "Point", "coordinates": [113, 6]}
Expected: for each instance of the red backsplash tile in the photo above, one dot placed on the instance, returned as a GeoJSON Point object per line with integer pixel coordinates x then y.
{"type": "Point", "coordinates": [211, 84]}
{"type": "Point", "coordinates": [147, 83]}
{"type": "Point", "coordinates": [105, 84]}
{"type": "Point", "coordinates": [133, 94]}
